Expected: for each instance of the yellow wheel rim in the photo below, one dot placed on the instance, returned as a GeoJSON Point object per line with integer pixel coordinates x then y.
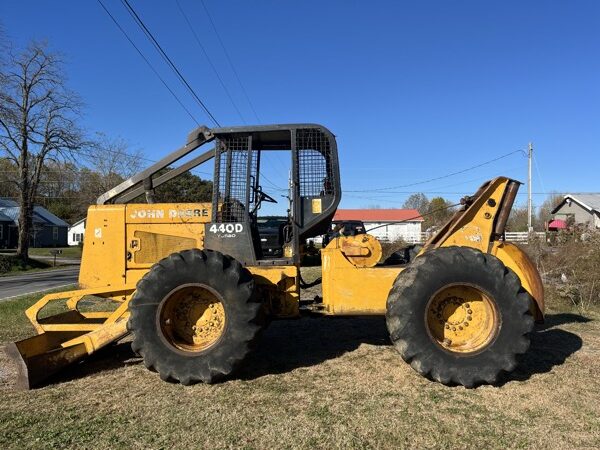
{"type": "Point", "coordinates": [462, 318]}
{"type": "Point", "coordinates": [192, 318]}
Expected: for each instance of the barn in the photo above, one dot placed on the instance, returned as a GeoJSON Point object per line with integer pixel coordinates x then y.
{"type": "Point", "coordinates": [387, 225]}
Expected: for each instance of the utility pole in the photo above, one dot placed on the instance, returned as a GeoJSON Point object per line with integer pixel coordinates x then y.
{"type": "Point", "coordinates": [529, 205]}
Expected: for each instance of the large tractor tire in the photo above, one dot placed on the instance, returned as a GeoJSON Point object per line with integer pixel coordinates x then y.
{"type": "Point", "coordinates": [459, 316]}
{"type": "Point", "coordinates": [194, 316]}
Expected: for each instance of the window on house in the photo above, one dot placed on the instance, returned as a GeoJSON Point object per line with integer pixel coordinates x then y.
{"type": "Point", "coordinates": [1, 231]}
{"type": "Point", "coordinates": [55, 233]}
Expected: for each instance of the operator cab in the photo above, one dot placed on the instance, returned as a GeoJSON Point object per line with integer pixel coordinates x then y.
{"type": "Point", "coordinates": [302, 189]}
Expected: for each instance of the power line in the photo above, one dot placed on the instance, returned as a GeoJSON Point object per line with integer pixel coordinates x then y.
{"type": "Point", "coordinates": [148, 62]}
{"type": "Point", "coordinates": [214, 27]}
{"type": "Point", "coordinates": [435, 189]}
{"type": "Point", "coordinates": [238, 79]}
{"type": "Point", "coordinates": [168, 60]}
{"type": "Point", "coordinates": [209, 60]}
{"type": "Point", "coordinates": [440, 177]}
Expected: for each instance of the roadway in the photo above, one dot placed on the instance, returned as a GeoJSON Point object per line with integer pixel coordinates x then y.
{"type": "Point", "coordinates": [29, 283]}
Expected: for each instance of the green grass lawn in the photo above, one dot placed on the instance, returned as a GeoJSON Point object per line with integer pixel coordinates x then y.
{"type": "Point", "coordinates": [313, 383]}
{"type": "Point", "coordinates": [67, 252]}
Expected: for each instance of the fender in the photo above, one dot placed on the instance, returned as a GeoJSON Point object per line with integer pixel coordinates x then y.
{"type": "Point", "coordinates": [517, 260]}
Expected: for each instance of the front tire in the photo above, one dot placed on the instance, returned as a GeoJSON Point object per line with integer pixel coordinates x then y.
{"type": "Point", "coordinates": [459, 316]}
{"type": "Point", "coordinates": [194, 316]}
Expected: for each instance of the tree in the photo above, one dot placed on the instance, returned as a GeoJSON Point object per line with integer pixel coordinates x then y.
{"type": "Point", "coordinates": [438, 212]}
{"type": "Point", "coordinates": [418, 201]}
{"type": "Point", "coordinates": [544, 213]}
{"type": "Point", "coordinates": [38, 123]}
{"type": "Point", "coordinates": [517, 221]}
{"type": "Point", "coordinates": [186, 188]}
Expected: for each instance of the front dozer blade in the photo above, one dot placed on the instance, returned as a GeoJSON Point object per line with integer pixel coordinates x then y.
{"type": "Point", "coordinates": [39, 357]}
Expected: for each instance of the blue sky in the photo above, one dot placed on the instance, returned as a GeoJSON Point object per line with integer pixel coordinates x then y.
{"type": "Point", "coordinates": [412, 90]}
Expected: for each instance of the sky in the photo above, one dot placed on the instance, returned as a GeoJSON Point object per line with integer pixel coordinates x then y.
{"type": "Point", "coordinates": [412, 90]}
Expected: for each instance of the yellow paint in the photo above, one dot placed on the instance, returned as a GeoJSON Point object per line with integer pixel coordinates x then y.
{"type": "Point", "coordinates": [192, 318]}
{"type": "Point", "coordinates": [462, 319]}
{"type": "Point", "coordinates": [317, 206]}
{"type": "Point", "coordinates": [475, 227]}
{"type": "Point", "coordinates": [121, 238]}
{"type": "Point", "coordinates": [278, 289]}
{"type": "Point", "coordinates": [362, 250]}
{"type": "Point", "coordinates": [517, 260]}
{"type": "Point", "coordinates": [348, 289]}
{"type": "Point", "coordinates": [103, 257]}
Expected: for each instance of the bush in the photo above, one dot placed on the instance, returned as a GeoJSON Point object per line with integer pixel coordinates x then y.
{"type": "Point", "coordinates": [12, 263]}
{"type": "Point", "coordinates": [570, 268]}
{"type": "Point", "coordinates": [6, 263]}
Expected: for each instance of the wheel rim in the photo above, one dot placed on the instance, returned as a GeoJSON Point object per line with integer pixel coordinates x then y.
{"type": "Point", "coordinates": [462, 318]}
{"type": "Point", "coordinates": [192, 318]}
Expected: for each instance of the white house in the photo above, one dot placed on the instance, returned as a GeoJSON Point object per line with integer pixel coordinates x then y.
{"type": "Point", "coordinates": [76, 232]}
{"type": "Point", "coordinates": [581, 208]}
{"type": "Point", "coordinates": [387, 225]}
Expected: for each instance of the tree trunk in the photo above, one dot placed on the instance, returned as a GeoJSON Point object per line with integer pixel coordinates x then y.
{"type": "Point", "coordinates": [25, 221]}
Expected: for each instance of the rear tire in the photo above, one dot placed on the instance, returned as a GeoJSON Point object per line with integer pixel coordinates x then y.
{"type": "Point", "coordinates": [459, 316]}
{"type": "Point", "coordinates": [194, 316]}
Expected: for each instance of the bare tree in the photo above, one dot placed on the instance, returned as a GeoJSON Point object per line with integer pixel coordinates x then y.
{"type": "Point", "coordinates": [545, 212]}
{"type": "Point", "coordinates": [38, 122]}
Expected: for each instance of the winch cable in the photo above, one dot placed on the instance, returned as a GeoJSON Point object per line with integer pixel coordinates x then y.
{"type": "Point", "coordinates": [415, 217]}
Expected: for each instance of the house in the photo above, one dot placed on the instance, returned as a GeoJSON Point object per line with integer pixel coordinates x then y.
{"type": "Point", "coordinates": [5, 223]}
{"type": "Point", "coordinates": [580, 209]}
{"type": "Point", "coordinates": [48, 230]}
{"type": "Point", "coordinates": [76, 232]}
{"type": "Point", "coordinates": [387, 225]}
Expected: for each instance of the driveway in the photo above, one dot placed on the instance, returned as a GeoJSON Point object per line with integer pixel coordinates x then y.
{"type": "Point", "coordinates": [33, 282]}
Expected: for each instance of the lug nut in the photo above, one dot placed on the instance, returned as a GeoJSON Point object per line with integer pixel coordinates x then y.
{"type": "Point", "coordinates": [467, 305]}
{"type": "Point", "coordinates": [453, 328]}
{"type": "Point", "coordinates": [447, 327]}
{"type": "Point", "coordinates": [469, 318]}
{"type": "Point", "coordinates": [469, 311]}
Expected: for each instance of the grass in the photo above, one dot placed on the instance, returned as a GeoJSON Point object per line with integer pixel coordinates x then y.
{"type": "Point", "coordinates": [313, 383]}
{"type": "Point", "coordinates": [67, 252]}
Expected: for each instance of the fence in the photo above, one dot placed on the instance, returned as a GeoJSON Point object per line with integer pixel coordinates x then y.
{"type": "Point", "coordinates": [511, 236]}
{"type": "Point", "coordinates": [523, 236]}
{"type": "Point", "coordinates": [419, 238]}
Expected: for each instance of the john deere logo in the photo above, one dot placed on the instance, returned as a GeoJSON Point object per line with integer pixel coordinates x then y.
{"type": "Point", "coordinates": [171, 213]}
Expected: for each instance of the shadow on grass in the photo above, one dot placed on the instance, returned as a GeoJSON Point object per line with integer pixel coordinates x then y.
{"type": "Point", "coordinates": [550, 347]}
{"type": "Point", "coordinates": [104, 360]}
{"type": "Point", "coordinates": [553, 320]}
{"type": "Point", "coordinates": [290, 344]}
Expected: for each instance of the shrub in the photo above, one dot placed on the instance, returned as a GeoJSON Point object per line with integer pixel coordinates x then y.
{"type": "Point", "coordinates": [570, 268]}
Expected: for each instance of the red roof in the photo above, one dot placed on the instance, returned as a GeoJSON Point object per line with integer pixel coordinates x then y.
{"type": "Point", "coordinates": [379, 215]}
